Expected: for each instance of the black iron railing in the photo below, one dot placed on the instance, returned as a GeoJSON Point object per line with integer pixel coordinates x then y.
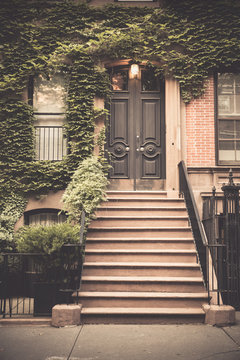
{"type": "Point", "coordinates": [74, 266]}
{"type": "Point", "coordinates": [196, 224]}
{"type": "Point", "coordinates": [221, 222]}
{"type": "Point", "coordinates": [21, 273]}
{"type": "Point", "coordinates": [31, 284]}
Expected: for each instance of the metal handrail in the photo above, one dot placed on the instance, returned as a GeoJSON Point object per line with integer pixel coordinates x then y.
{"type": "Point", "coordinates": [196, 224]}
{"type": "Point", "coordinates": [81, 246]}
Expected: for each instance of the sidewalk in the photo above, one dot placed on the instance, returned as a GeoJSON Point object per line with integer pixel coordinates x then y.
{"type": "Point", "coordinates": [121, 342]}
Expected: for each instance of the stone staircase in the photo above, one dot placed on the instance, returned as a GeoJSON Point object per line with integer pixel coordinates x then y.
{"type": "Point", "coordinates": [141, 263]}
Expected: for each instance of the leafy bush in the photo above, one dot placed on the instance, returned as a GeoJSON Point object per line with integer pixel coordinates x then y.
{"type": "Point", "coordinates": [11, 210]}
{"type": "Point", "coordinates": [46, 239]}
{"type": "Point", "coordinates": [86, 189]}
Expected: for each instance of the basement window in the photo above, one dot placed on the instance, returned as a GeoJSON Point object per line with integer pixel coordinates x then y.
{"type": "Point", "coordinates": [228, 118]}
{"type": "Point", "coordinates": [45, 217]}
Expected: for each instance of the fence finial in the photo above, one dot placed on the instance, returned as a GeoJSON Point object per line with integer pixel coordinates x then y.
{"type": "Point", "coordinates": [230, 178]}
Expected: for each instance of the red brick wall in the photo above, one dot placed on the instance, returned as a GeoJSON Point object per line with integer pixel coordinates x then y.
{"type": "Point", "coordinates": [200, 128]}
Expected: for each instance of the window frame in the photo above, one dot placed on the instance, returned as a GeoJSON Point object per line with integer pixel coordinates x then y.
{"type": "Point", "coordinates": [37, 124]}
{"type": "Point", "coordinates": [40, 211]}
{"type": "Point", "coordinates": [217, 125]}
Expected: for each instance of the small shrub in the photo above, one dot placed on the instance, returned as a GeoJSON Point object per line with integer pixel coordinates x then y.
{"type": "Point", "coordinates": [86, 189]}
{"type": "Point", "coordinates": [10, 211]}
{"type": "Point", "coordinates": [46, 239]}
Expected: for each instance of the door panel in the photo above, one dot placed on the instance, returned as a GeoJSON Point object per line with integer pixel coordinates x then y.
{"type": "Point", "coordinates": [136, 130]}
{"type": "Point", "coordinates": [118, 138]}
{"type": "Point", "coordinates": [119, 114]}
{"type": "Point", "coordinates": [150, 147]}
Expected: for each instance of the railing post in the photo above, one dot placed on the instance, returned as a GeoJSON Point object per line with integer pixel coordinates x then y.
{"type": "Point", "coordinates": [5, 282]}
{"type": "Point", "coordinates": [232, 238]}
{"type": "Point", "coordinates": [83, 215]}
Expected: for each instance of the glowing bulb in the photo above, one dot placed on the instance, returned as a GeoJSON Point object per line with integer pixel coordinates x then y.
{"type": "Point", "coordinates": [134, 70]}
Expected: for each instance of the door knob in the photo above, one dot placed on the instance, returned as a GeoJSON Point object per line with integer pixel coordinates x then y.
{"type": "Point", "coordinates": [141, 148]}
{"type": "Point", "coordinates": [127, 148]}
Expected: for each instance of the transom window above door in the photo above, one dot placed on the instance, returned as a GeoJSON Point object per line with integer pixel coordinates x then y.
{"type": "Point", "coordinates": [120, 80]}
{"type": "Point", "coordinates": [228, 117]}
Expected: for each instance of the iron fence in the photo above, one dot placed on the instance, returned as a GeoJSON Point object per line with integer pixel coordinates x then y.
{"type": "Point", "coordinates": [31, 284]}
{"type": "Point", "coordinates": [221, 222]}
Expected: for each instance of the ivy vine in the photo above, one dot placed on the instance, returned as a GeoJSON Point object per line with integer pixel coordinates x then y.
{"type": "Point", "coordinates": [187, 40]}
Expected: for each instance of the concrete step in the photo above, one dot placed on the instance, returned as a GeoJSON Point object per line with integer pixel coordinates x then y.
{"type": "Point", "coordinates": [139, 221]}
{"type": "Point", "coordinates": [141, 262]}
{"type": "Point", "coordinates": [136, 194]}
{"type": "Point", "coordinates": [142, 315]}
{"type": "Point", "coordinates": [146, 201]}
{"type": "Point", "coordinates": [140, 244]}
{"type": "Point", "coordinates": [142, 299]}
{"type": "Point", "coordinates": [141, 269]}
{"type": "Point", "coordinates": [25, 321]}
{"type": "Point", "coordinates": [142, 283]}
{"type": "Point", "coordinates": [164, 255]}
{"type": "Point", "coordinates": [141, 211]}
{"type": "Point", "coordinates": [139, 233]}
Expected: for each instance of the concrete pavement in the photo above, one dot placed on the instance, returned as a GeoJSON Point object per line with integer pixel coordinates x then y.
{"type": "Point", "coordinates": [121, 342]}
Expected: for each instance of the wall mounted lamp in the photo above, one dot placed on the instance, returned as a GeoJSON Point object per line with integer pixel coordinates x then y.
{"type": "Point", "coordinates": [134, 71]}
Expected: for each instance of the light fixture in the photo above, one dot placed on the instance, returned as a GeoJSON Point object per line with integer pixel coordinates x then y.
{"type": "Point", "coordinates": [134, 71]}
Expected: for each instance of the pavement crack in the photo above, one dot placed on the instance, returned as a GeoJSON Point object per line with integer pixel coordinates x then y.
{"type": "Point", "coordinates": [220, 353]}
{"type": "Point", "coordinates": [230, 337]}
{"type": "Point", "coordinates": [80, 330]}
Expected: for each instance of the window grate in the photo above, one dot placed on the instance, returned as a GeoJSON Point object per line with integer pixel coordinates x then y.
{"type": "Point", "coordinates": [50, 143]}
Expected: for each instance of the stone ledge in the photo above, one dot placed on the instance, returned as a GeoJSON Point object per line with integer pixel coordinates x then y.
{"type": "Point", "coordinates": [65, 315]}
{"type": "Point", "coordinates": [219, 315]}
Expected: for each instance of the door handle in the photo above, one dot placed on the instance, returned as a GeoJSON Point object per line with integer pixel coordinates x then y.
{"type": "Point", "coordinates": [127, 148]}
{"type": "Point", "coordinates": [141, 148]}
{"type": "Point", "coordinates": [138, 143]}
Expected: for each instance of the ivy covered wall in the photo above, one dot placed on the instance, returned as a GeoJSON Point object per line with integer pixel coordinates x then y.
{"type": "Point", "coordinates": [187, 40]}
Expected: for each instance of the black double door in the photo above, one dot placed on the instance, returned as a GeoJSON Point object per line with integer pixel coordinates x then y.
{"type": "Point", "coordinates": [136, 129]}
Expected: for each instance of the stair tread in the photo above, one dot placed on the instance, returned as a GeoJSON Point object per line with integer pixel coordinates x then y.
{"type": "Point", "coordinates": [142, 278]}
{"type": "Point", "coordinates": [141, 228]}
{"type": "Point", "coordinates": [142, 264]}
{"type": "Point", "coordinates": [141, 239]}
{"type": "Point", "coordinates": [142, 251]}
{"type": "Point", "coordinates": [134, 207]}
{"type": "Point", "coordinates": [136, 191]}
{"type": "Point", "coordinates": [144, 198]}
{"type": "Point", "coordinates": [150, 311]}
{"type": "Point", "coordinates": [123, 217]}
{"type": "Point", "coordinates": [127, 294]}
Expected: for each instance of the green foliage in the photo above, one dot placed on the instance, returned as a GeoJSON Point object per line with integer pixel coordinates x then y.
{"type": "Point", "coordinates": [86, 189]}
{"type": "Point", "coordinates": [46, 239]}
{"type": "Point", "coordinates": [185, 39]}
{"type": "Point", "coordinates": [11, 210]}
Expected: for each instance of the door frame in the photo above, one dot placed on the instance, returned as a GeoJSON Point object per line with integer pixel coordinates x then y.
{"type": "Point", "coordinates": [133, 182]}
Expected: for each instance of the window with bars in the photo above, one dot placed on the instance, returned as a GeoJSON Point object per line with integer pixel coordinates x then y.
{"type": "Point", "coordinates": [48, 99]}
{"type": "Point", "coordinates": [228, 117]}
